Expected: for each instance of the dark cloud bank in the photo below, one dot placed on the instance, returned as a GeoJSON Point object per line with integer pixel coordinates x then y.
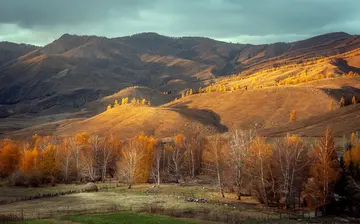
{"type": "Point", "coordinates": [254, 21]}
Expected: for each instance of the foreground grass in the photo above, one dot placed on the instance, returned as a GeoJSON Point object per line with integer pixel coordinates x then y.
{"type": "Point", "coordinates": [11, 193]}
{"type": "Point", "coordinates": [115, 218]}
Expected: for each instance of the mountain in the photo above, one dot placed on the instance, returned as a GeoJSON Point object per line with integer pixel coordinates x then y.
{"type": "Point", "coordinates": [10, 51]}
{"type": "Point", "coordinates": [76, 77]}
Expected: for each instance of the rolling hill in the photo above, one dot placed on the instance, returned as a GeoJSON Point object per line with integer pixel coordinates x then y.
{"type": "Point", "coordinates": [65, 86]}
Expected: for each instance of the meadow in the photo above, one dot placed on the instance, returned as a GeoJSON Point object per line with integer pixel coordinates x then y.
{"type": "Point", "coordinates": [136, 204]}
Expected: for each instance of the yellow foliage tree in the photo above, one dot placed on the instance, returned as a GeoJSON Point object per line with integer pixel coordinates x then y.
{"type": "Point", "coordinates": [116, 103]}
{"type": "Point", "coordinates": [108, 107]}
{"type": "Point", "coordinates": [292, 116]}
{"type": "Point", "coordinates": [354, 100]}
{"type": "Point", "coordinates": [331, 105]}
{"type": "Point", "coordinates": [342, 102]}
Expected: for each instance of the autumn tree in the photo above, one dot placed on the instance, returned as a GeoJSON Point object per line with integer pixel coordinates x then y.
{"type": "Point", "coordinates": [324, 171]}
{"type": "Point", "coordinates": [258, 167]}
{"type": "Point", "coordinates": [109, 150]}
{"type": "Point", "coordinates": [89, 158]}
{"type": "Point", "coordinates": [177, 156]}
{"type": "Point", "coordinates": [49, 163]}
{"type": "Point", "coordinates": [342, 102]}
{"type": "Point", "coordinates": [239, 145]}
{"type": "Point", "coordinates": [331, 105]}
{"type": "Point", "coordinates": [214, 159]}
{"type": "Point", "coordinates": [292, 116]}
{"type": "Point", "coordinates": [156, 169]}
{"type": "Point", "coordinates": [353, 100]}
{"type": "Point", "coordinates": [136, 159]}
{"type": "Point", "coordinates": [66, 153]}
{"type": "Point", "coordinates": [9, 157]}
{"type": "Point", "coordinates": [76, 144]}
{"type": "Point", "coordinates": [124, 100]}
{"type": "Point", "coordinates": [108, 107]}
{"type": "Point", "coordinates": [191, 142]}
{"type": "Point", "coordinates": [116, 103]}
{"type": "Point", "coordinates": [291, 161]}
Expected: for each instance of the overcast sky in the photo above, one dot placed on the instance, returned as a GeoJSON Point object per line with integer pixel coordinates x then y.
{"type": "Point", "coordinates": [245, 21]}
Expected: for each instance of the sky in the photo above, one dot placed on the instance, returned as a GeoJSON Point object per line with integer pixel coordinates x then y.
{"type": "Point", "coordinates": [40, 22]}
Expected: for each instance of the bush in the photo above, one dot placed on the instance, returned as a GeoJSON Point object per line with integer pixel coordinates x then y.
{"type": "Point", "coordinates": [91, 187]}
{"type": "Point", "coordinates": [18, 179]}
{"type": "Point", "coordinates": [34, 179]}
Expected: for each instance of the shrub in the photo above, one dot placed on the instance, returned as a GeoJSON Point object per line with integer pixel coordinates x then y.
{"type": "Point", "coordinates": [18, 179]}
{"type": "Point", "coordinates": [34, 179]}
{"type": "Point", "coordinates": [91, 187]}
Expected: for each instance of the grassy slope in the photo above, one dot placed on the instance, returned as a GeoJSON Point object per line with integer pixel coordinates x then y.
{"type": "Point", "coordinates": [219, 111]}
{"type": "Point", "coordinates": [128, 121]}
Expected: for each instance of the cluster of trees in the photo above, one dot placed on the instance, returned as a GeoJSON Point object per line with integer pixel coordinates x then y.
{"type": "Point", "coordinates": [352, 156]}
{"type": "Point", "coordinates": [282, 172]}
{"type": "Point", "coordinates": [342, 103]}
{"type": "Point", "coordinates": [46, 159]}
{"type": "Point", "coordinates": [125, 101]}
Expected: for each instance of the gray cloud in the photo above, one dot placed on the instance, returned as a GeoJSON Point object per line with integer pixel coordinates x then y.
{"type": "Point", "coordinates": [253, 21]}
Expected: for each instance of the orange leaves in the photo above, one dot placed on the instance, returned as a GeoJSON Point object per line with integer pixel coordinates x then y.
{"type": "Point", "coordinates": [292, 116]}
{"type": "Point", "coordinates": [325, 169]}
{"type": "Point", "coordinates": [9, 157]}
{"type": "Point", "coordinates": [136, 159]}
{"type": "Point", "coordinates": [353, 100]}
{"type": "Point", "coordinates": [342, 102]}
{"type": "Point", "coordinates": [179, 140]}
{"type": "Point", "coordinates": [29, 161]}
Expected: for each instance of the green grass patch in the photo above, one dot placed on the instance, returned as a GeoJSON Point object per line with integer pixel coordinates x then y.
{"type": "Point", "coordinates": [126, 218]}
{"type": "Point", "coordinates": [42, 221]}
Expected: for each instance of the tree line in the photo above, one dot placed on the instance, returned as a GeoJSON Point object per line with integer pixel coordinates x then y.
{"type": "Point", "coordinates": [287, 172]}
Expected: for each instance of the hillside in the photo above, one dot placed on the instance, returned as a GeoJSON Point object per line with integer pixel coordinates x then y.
{"type": "Point", "coordinates": [343, 121]}
{"type": "Point", "coordinates": [75, 78]}
{"type": "Point", "coordinates": [266, 110]}
{"type": "Point", "coordinates": [75, 70]}
{"type": "Point", "coordinates": [155, 97]}
{"type": "Point", "coordinates": [10, 51]}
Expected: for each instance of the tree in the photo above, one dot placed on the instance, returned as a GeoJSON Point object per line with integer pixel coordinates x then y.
{"type": "Point", "coordinates": [191, 142]}
{"type": "Point", "coordinates": [9, 157]}
{"type": "Point", "coordinates": [177, 156]}
{"type": "Point", "coordinates": [157, 164]}
{"type": "Point", "coordinates": [89, 158]}
{"type": "Point", "coordinates": [108, 107]}
{"type": "Point", "coordinates": [66, 154]}
{"type": "Point", "coordinates": [354, 100]}
{"type": "Point", "coordinates": [324, 171]}
{"type": "Point", "coordinates": [190, 92]}
{"type": "Point", "coordinates": [342, 102]}
{"type": "Point", "coordinates": [258, 165]}
{"type": "Point", "coordinates": [143, 101]}
{"type": "Point", "coordinates": [76, 144]}
{"type": "Point", "coordinates": [49, 163]}
{"type": "Point", "coordinates": [292, 116]}
{"type": "Point", "coordinates": [116, 103]}
{"type": "Point", "coordinates": [238, 152]}
{"type": "Point", "coordinates": [124, 100]}
{"type": "Point", "coordinates": [291, 156]}
{"type": "Point", "coordinates": [136, 160]}
{"type": "Point", "coordinates": [110, 147]}
{"type": "Point", "coordinates": [331, 105]}
{"type": "Point", "coordinates": [214, 158]}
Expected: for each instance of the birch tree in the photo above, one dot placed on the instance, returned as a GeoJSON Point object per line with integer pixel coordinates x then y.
{"type": "Point", "coordinates": [214, 157]}
{"type": "Point", "coordinates": [291, 156]}
{"type": "Point", "coordinates": [238, 152]}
